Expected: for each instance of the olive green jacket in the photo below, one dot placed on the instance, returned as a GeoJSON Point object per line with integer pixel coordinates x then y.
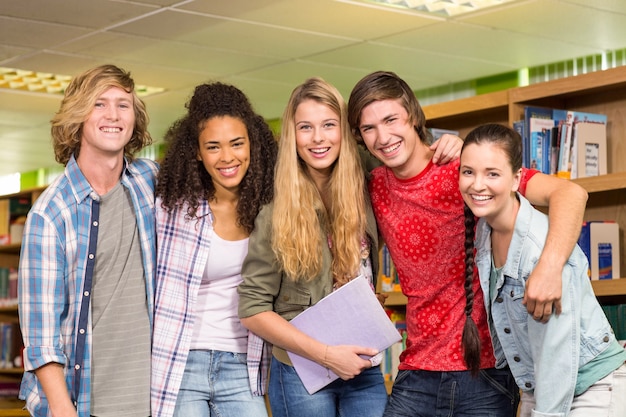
{"type": "Point", "coordinates": [266, 288]}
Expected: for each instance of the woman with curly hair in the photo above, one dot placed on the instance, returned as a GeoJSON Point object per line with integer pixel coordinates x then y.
{"type": "Point", "coordinates": [217, 173]}
{"type": "Point", "coordinates": [318, 234]}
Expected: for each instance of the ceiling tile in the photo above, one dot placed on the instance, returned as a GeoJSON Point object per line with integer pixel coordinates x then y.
{"type": "Point", "coordinates": [162, 53]}
{"type": "Point", "coordinates": [54, 63]}
{"type": "Point", "coordinates": [430, 67]}
{"type": "Point", "coordinates": [232, 35]}
{"type": "Point", "coordinates": [559, 21]}
{"type": "Point", "coordinates": [320, 16]}
{"type": "Point", "coordinates": [618, 6]}
{"type": "Point", "coordinates": [38, 35]}
{"type": "Point", "coordinates": [80, 13]}
{"type": "Point", "coordinates": [8, 52]}
{"type": "Point", "coordinates": [490, 45]}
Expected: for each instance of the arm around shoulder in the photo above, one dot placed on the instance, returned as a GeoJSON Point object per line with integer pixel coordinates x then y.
{"type": "Point", "coordinates": [566, 203]}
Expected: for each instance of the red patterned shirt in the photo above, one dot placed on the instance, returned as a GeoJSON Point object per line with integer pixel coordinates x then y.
{"type": "Point", "coordinates": [421, 220]}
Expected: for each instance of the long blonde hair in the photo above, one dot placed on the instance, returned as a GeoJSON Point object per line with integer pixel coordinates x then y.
{"type": "Point", "coordinates": [298, 208]}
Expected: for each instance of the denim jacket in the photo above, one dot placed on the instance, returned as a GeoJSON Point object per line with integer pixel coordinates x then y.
{"type": "Point", "coordinates": [543, 357]}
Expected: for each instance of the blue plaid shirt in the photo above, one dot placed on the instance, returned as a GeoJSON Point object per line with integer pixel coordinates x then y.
{"type": "Point", "coordinates": [52, 274]}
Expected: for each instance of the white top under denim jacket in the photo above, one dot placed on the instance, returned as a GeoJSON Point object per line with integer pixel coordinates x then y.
{"type": "Point", "coordinates": [543, 357]}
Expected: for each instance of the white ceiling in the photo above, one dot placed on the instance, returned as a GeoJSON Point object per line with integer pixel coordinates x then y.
{"type": "Point", "coordinates": [267, 47]}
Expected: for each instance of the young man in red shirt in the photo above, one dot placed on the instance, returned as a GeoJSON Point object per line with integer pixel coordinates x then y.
{"type": "Point", "coordinates": [444, 370]}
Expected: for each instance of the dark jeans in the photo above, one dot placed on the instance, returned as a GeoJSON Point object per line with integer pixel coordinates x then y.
{"type": "Point", "coordinates": [493, 393]}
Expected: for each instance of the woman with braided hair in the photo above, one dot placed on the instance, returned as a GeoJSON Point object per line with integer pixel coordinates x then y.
{"type": "Point", "coordinates": [572, 365]}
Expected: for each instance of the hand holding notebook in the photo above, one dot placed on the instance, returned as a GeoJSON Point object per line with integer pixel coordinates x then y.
{"type": "Point", "coordinates": [351, 315]}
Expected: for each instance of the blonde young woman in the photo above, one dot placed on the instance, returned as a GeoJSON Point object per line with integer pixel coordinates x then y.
{"type": "Point", "coordinates": [317, 235]}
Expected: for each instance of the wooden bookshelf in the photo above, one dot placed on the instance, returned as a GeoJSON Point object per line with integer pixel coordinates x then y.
{"type": "Point", "coordinates": [12, 408]}
{"type": "Point", "coordinates": [602, 289]}
{"type": "Point", "coordinates": [9, 257]}
{"type": "Point", "coordinates": [12, 249]}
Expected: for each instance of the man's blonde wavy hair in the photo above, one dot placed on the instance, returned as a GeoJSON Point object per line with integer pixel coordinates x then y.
{"type": "Point", "coordinates": [78, 103]}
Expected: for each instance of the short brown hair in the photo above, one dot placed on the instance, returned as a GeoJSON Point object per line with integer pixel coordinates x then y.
{"type": "Point", "coordinates": [385, 85]}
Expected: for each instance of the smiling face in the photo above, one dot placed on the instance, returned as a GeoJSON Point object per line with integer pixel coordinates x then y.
{"type": "Point", "coordinates": [390, 136]}
{"type": "Point", "coordinates": [487, 181]}
{"type": "Point", "coordinates": [318, 137]}
{"type": "Point", "coordinates": [109, 126]}
{"type": "Point", "coordinates": [224, 149]}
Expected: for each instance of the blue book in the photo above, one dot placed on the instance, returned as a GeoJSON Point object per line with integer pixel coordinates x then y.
{"type": "Point", "coordinates": [540, 131]}
{"type": "Point", "coordinates": [531, 112]}
{"type": "Point", "coordinates": [518, 126]}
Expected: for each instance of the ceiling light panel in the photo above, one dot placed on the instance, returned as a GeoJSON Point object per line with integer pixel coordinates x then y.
{"type": "Point", "coordinates": [48, 83]}
{"type": "Point", "coordinates": [441, 8]}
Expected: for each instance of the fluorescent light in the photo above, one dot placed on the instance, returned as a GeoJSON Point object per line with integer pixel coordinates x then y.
{"type": "Point", "coordinates": [48, 83]}
{"type": "Point", "coordinates": [441, 8]}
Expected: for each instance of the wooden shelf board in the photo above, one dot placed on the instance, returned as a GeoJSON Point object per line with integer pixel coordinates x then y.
{"type": "Point", "coordinates": [395, 299]}
{"type": "Point", "coordinates": [11, 371]}
{"type": "Point", "coordinates": [580, 84]}
{"type": "Point", "coordinates": [603, 288]}
{"type": "Point", "coordinates": [12, 308]}
{"type": "Point", "coordinates": [12, 407]}
{"type": "Point", "coordinates": [603, 182]}
{"type": "Point", "coordinates": [609, 287]}
{"type": "Point", "coordinates": [13, 248]}
{"type": "Point", "coordinates": [498, 99]}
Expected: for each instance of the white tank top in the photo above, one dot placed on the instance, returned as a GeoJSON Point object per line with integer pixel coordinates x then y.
{"type": "Point", "coordinates": [217, 325]}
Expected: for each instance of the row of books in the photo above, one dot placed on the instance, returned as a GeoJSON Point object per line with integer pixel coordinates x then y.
{"type": "Point", "coordinates": [616, 314]}
{"type": "Point", "coordinates": [391, 356]}
{"type": "Point", "coordinates": [9, 388]}
{"type": "Point", "coordinates": [569, 144]}
{"type": "Point", "coordinates": [11, 350]}
{"type": "Point", "coordinates": [388, 273]}
{"type": "Point", "coordinates": [600, 242]}
{"type": "Point", "coordinates": [11, 345]}
{"type": "Point", "coordinates": [13, 213]}
{"type": "Point", "coordinates": [8, 286]}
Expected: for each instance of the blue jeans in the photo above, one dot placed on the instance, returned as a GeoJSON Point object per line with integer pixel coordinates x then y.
{"type": "Point", "coordinates": [216, 383]}
{"type": "Point", "coordinates": [362, 396]}
{"type": "Point", "coordinates": [493, 393]}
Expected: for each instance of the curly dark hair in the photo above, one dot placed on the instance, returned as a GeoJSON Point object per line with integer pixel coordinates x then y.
{"type": "Point", "coordinates": [183, 179]}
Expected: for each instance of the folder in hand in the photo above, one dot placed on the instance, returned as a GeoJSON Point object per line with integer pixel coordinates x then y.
{"type": "Point", "coordinates": [351, 315]}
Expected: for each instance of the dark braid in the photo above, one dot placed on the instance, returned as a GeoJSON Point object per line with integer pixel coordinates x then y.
{"type": "Point", "coordinates": [470, 339]}
{"type": "Point", "coordinates": [511, 143]}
